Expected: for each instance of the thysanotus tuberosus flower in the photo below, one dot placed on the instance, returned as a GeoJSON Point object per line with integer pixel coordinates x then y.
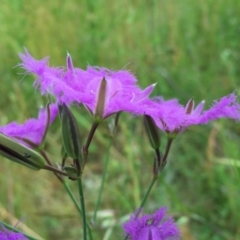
{"type": "Point", "coordinates": [6, 234]}
{"type": "Point", "coordinates": [157, 226]}
{"type": "Point", "coordinates": [170, 116]}
{"type": "Point", "coordinates": [71, 140]}
{"type": "Point", "coordinates": [17, 140]}
{"type": "Point", "coordinates": [32, 130]}
{"type": "Point", "coordinates": [102, 91]}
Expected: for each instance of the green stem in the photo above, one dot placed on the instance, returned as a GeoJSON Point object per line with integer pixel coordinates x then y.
{"type": "Point", "coordinates": [169, 143]}
{"type": "Point", "coordinates": [154, 179]}
{"type": "Point", "coordinates": [103, 181]}
{"type": "Point", "coordinates": [77, 206]}
{"type": "Point", "coordinates": [148, 191]}
{"type": "Point", "coordinates": [55, 170]}
{"type": "Point", "coordinates": [69, 191]}
{"type": "Point", "coordinates": [81, 196]}
{"type": "Point", "coordinates": [89, 139]}
{"type": "Point", "coordinates": [90, 135]}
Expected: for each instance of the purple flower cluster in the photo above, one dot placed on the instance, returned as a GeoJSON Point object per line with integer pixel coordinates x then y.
{"type": "Point", "coordinates": [74, 85]}
{"type": "Point", "coordinates": [171, 116]}
{"type": "Point", "coordinates": [157, 226]}
{"type": "Point", "coordinates": [9, 235]}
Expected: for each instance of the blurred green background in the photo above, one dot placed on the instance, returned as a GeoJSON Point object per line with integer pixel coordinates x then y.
{"type": "Point", "coordinates": [191, 49]}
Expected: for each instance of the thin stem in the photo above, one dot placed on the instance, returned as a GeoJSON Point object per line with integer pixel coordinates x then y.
{"type": "Point", "coordinates": [50, 164]}
{"type": "Point", "coordinates": [72, 197]}
{"type": "Point", "coordinates": [81, 196]}
{"type": "Point", "coordinates": [103, 181]}
{"type": "Point", "coordinates": [46, 157]}
{"type": "Point", "coordinates": [169, 143]}
{"type": "Point", "coordinates": [89, 139]}
{"type": "Point", "coordinates": [55, 170]}
{"type": "Point", "coordinates": [69, 191]}
{"type": "Point", "coordinates": [158, 155]}
{"type": "Point", "coordinates": [90, 136]}
{"type": "Point", "coordinates": [77, 206]}
{"type": "Point", "coordinates": [154, 179]}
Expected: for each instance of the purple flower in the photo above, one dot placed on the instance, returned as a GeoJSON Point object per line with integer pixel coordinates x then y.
{"type": "Point", "coordinates": [157, 226]}
{"type": "Point", "coordinates": [120, 93]}
{"type": "Point", "coordinates": [172, 117]}
{"type": "Point", "coordinates": [32, 130]}
{"type": "Point", "coordinates": [8, 235]}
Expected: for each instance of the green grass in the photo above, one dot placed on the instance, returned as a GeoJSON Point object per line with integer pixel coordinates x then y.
{"type": "Point", "coordinates": [191, 49]}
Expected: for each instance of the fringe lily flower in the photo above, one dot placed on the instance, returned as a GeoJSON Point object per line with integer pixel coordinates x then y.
{"type": "Point", "coordinates": [17, 141]}
{"type": "Point", "coordinates": [170, 116]}
{"type": "Point", "coordinates": [102, 91]}
{"type": "Point", "coordinates": [32, 131]}
{"type": "Point", "coordinates": [157, 226]}
{"type": "Point", "coordinates": [9, 235]}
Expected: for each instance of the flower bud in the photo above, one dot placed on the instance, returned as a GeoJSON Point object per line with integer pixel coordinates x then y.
{"type": "Point", "coordinates": [71, 135]}
{"type": "Point", "coordinates": [100, 107]}
{"type": "Point", "coordinates": [189, 106]}
{"type": "Point", "coordinates": [152, 131]}
{"type": "Point", "coordinates": [15, 151]}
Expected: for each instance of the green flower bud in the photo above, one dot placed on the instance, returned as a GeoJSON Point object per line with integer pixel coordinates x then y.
{"type": "Point", "coordinates": [71, 135]}
{"type": "Point", "coordinates": [189, 106]}
{"type": "Point", "coordinates": [17, 152]}
{"type": "Point", "coordinates": [152, 131]}
{"type": "Point", "coordinates": [100, 107]}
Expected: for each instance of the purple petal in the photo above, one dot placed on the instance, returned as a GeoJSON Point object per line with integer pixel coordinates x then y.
{"type": "Point", "coordinates": [155, 226]}
{"type": "Point", "coordinates": [9, 235]}
{"type": "Point", "coordinates": [32, 129]}
{"type": "Point", "coordinates": [226, 107]}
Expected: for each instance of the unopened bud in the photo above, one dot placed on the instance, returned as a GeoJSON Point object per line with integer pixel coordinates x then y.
{"type": "Point", "coordinates": [69, 62]}
{"type": "Point", "coordinates": [100, 107]}
{"type": "Point", "coordinates": [152, 131]}
{"type": "Point", "coordinates": [71, 135]}
{"type": "Point", "coordinates": [17, 152]}
{"type": "Point", "coordinates": [190, 106]}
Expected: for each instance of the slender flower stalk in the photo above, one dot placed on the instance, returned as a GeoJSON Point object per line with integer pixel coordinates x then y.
{"type": "Point", "coordinates": [103, 180]}
{"type": "Point", "coordinates": [89, 139]}
{"type": "Point", "coordinates": [69, 192]}
{"type": "Point", "coordinates": [77, 206]}
{"type": "Point", "coordinates": [164, 158]}
{"type": "Point", "coordinates": [145, 197]}
{"type": "Point", "coordinates": [81, 197]}
{"type": "Point", "coordinates": [55, 170]}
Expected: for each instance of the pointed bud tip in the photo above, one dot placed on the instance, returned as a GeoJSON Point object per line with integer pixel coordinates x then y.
{"type": "Point", "coordinates": [69, 62]}
{"type": "Point", "coordinates": [71, 134]}
{"type": "Point", "coordinates": [189, 106]}
{"type": "Point", "coordinates": [101, 99]}
{"type": "Point", "coordinates": [152, 131]}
